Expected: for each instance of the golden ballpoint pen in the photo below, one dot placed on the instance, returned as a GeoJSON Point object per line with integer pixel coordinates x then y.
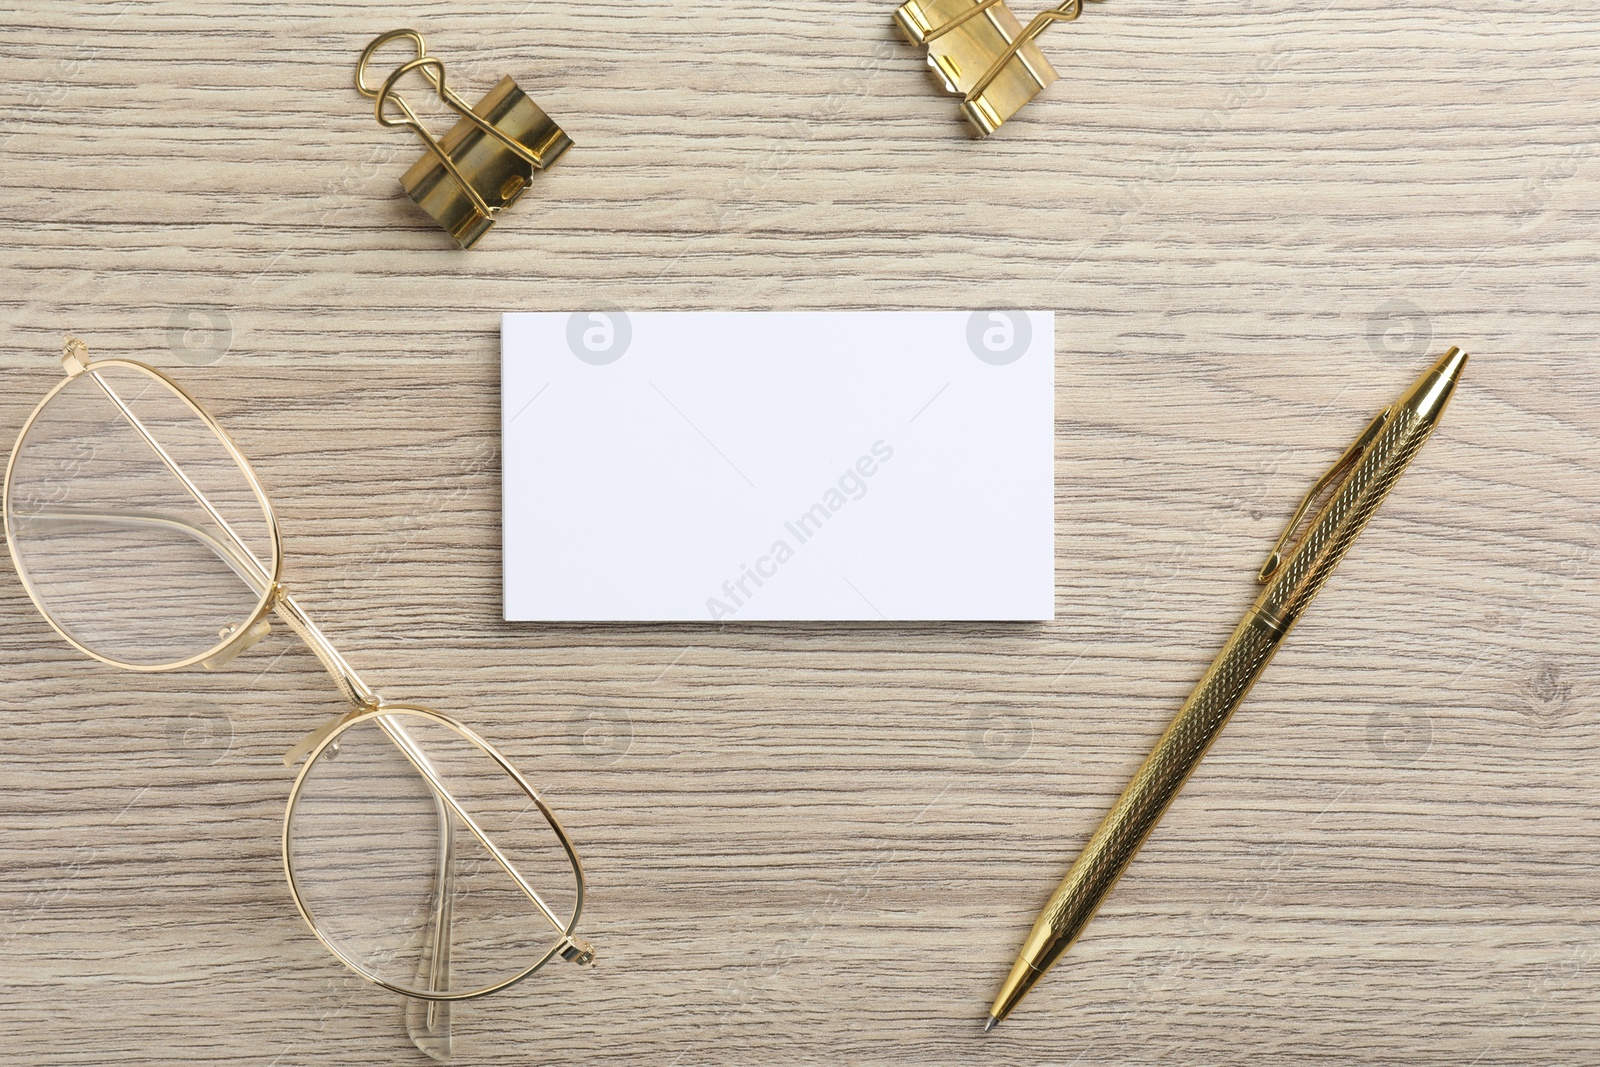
{"type": "Point", "coordinates": [1370, 467]}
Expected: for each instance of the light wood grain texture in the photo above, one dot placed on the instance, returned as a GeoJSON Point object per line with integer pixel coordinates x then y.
{"type": "Point", "coordinates": [823, 843]}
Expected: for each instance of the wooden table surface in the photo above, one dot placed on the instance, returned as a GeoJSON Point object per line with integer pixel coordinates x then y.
{"type": "Point", "coordinates": [823, 843]}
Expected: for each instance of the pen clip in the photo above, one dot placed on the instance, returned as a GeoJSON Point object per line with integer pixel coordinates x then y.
{"type": "Point", "coordinates": [1340, 465]}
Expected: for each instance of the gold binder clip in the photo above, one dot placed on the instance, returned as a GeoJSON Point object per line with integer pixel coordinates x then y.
{"type": "Point", "coordinates": [978, 48]}
{"type": "Point", "coordinates": [485, 162]}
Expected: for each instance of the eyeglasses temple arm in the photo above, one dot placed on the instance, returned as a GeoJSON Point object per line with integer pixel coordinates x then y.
{"type": "Point", "coordinates": [419, 759]}
{"type": "Point", "coordinates": [357, 692]}
{"type": "Point", "coordinates": [428, 1023]}
{"type": "Point", "coordinates": [239, 564]}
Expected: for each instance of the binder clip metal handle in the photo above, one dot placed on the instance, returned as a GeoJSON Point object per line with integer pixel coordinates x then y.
{"type": "Point", "coordinates": [486, 160]}
{"type": "Point", "coordinates": [979, 49]}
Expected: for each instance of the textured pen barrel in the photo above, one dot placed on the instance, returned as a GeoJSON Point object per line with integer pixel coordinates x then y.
{"type": "Point", "coordinates": [1402, 430]}
{"type": "Point", "coordinates": [1222, 689]}
{"type": "Point", "coordinates": [1147, 797]}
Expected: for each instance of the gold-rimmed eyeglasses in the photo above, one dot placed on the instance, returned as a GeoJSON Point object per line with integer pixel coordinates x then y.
{"type": "Point", "coordinates": [415, 851]}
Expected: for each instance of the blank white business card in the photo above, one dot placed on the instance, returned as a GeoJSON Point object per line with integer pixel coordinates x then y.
{"type": "Point", "coordinates": [757, 466]}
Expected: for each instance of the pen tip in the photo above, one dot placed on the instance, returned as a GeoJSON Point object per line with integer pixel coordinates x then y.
{"type": "Point", "coordinates": [991, 1024]}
